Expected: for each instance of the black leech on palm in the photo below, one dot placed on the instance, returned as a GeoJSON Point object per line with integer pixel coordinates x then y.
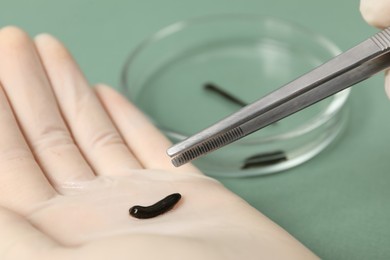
{"type": "Point", "coordinates": [160, 207]}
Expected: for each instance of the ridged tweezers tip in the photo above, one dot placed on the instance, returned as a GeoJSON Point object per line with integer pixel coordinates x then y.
{"type": "Point", "coordinates": [207, 146]}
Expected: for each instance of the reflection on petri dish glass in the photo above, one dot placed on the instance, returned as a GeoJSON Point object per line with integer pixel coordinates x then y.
{"type": "Point", "coordinates": [246, 56]}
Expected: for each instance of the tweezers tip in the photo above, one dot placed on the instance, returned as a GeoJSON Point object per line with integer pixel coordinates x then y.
{"type": "Point", "coordinates": [207, 146]}
{"type": "Point", "coordinates": [176, 162]}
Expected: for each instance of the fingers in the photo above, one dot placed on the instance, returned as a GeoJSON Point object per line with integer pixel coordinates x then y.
{"type": "Point", "coordinates": [387, 83]}
{"type": "Point", "coordinates": [376, 12]}
{"type": "Point", "coordinates": [90, 125]}
{"type": "Point", "coordinates": [22, 181]}
{"type": "Point", "coordinates": [147, 143]}
{"type": "Point", "coordinates": [29, 91]}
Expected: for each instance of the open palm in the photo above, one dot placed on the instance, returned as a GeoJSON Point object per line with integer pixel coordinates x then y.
{"type": "Point", "coordinates": [74, 159]}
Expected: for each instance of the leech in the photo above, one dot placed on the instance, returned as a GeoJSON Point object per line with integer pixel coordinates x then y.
{"type": "Point", "coordinates": [160, 207]}
{"type": "Point", "coordinates": [264, 159]}
{"type": "Point", "coordinates": [223, 93]}
{"type": "Point", "coordinates": [228, 96]}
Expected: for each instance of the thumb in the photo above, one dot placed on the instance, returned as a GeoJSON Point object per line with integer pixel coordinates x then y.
{"type": "Point", "coordinates": [376, 12]}
{"type": "Point", "coordinates": [19, 239]}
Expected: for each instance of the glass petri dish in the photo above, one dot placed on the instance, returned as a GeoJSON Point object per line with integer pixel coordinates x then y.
{"type": "Point", "coordinates": [169, 76]}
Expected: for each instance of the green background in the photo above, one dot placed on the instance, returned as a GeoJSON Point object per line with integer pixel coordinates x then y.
{"type": "Point", "coordinates": [337, 204]}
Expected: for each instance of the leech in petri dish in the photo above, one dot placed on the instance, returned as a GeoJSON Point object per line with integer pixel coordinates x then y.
{"type": "Point", "coordinates": [264, 159]}
{"type": "Point", "coordinates": [228, 96]}
{"type": "Point", "coordinates": [223, 93]}
{"type": "Point", "coordinates": [160, 207]}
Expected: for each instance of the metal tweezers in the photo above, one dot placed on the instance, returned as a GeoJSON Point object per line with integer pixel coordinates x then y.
{"type": "Point", "coordinates": [341, 72]}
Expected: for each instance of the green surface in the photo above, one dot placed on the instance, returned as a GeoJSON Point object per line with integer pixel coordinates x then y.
{"type": "Point", "coordinates": [337, 204]}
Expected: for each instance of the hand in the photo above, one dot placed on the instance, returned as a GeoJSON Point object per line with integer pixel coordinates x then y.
{"type": "Point", "coordinates": [377, 13]}
{"type": "Point", "coordinates": [74, 159]}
